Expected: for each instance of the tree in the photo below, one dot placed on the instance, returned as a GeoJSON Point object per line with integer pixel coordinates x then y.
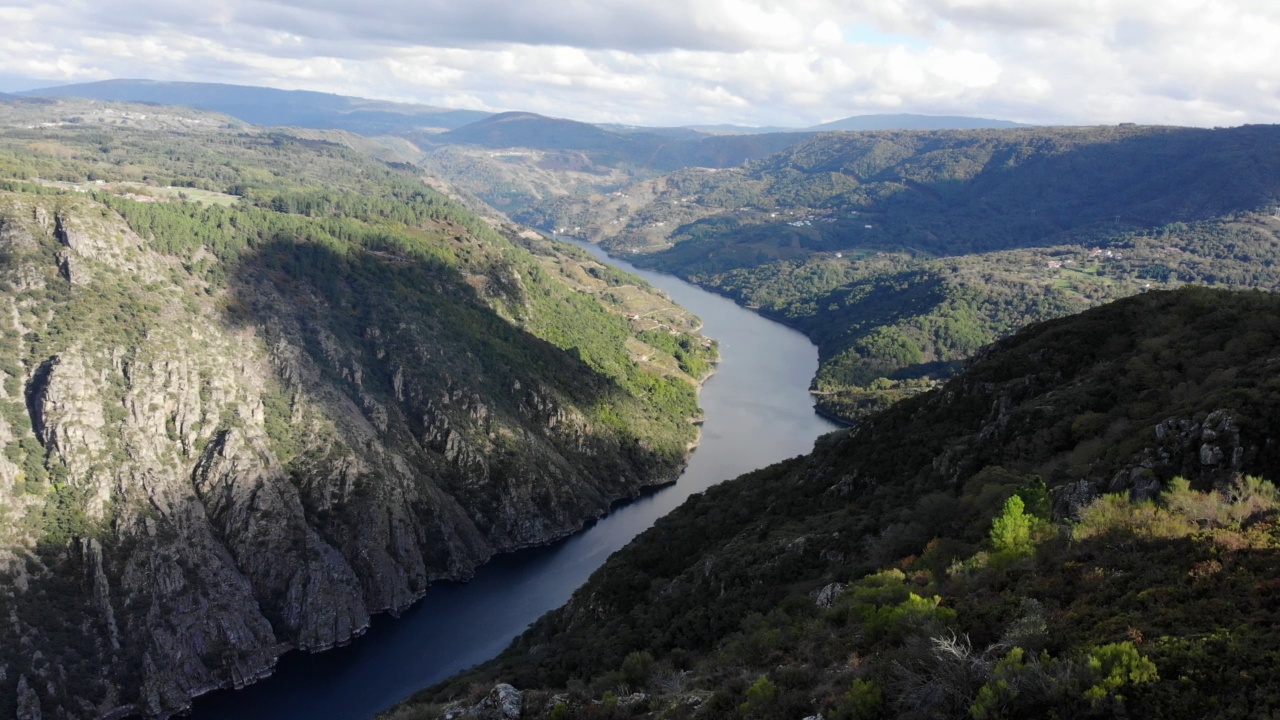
{"type": "Point", "coordinates": [1012, 531]}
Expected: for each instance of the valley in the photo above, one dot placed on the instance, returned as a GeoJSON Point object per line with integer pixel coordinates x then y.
{"type": "Point", "coordinates": [337, 385]}
{"type": "Point", "coordinates": [757, 412]}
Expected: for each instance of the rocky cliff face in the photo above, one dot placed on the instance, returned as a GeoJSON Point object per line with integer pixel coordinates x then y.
{"type": "Point", "coordinates": [196, 480]}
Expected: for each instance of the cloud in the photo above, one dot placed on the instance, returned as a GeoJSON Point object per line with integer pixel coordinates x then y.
{"type": "Point", "coordinates": [1202, 62]}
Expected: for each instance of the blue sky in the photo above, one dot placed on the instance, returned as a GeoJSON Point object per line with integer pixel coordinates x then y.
{"type": "Point", "coordinates": [758, 62]}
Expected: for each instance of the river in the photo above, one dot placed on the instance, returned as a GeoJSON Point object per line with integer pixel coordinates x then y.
{"type": "Point", "coordinates": [758, 411]}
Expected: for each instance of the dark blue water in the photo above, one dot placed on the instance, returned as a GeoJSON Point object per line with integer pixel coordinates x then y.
{"type": "Point", "coordinates": [758, 411]}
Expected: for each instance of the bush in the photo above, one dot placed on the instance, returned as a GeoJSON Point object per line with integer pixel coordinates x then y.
{"type": "Point", "coordinates": [1113, 667]}
{"type": "Point", "coordinates": [637, 668]}
{"type": "Point", "coordinates": [760, 698]}
{"type": "Point", "coordinates": [863, 701]}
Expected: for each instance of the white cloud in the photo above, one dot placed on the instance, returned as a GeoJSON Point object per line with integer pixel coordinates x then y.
{"type": "Point", "coordinates": [675, 61]}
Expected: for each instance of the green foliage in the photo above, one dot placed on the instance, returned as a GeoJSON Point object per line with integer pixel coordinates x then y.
{"type": "Point", "coordinates": [1001, 690]}
{"type": "Point", "coordinates": [693, 357]}
{"type": "Point", "coordinates": [886, 609]}
{"type": "Point", "coordinates": [637, 668]}
{"type": "Point", "coordinates": [759, 698]}
{"type": "Point", "coordinates": [1181, 511]}
{"type": "Point", "coordinates": [863, 701]}
{"type": "Point", "coordinates": [1115, 666]}
{"type": "Point", "coordinates": [1013, 531]}
{"type": "Point", "coordinates": [1036, 500]}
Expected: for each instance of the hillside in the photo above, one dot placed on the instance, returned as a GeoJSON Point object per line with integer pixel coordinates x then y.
{"type": "Point", "coordinates": [1068, 528]}
{"type": "Point", "coordinates": [901, 253]}
{"type": "Point", "coordinates": [269, 106]}
{"type": "Point", "coordinates": [256, 387]}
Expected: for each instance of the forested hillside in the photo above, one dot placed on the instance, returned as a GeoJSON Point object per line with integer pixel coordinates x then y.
{"type": "Point", "coordinates": [256, 386]}
{"type": "Point", "coordinates": [1074, 526]}
{"type": "Point", "coordinates": [901, 253]}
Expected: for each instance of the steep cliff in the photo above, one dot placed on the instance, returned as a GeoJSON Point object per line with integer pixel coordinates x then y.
{"type": "Point", "coordinates": [209, 459]}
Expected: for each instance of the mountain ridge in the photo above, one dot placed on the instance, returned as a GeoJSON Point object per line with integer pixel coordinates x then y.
{"type": "Point", "coordinates": [271, 106]}
{"type": "Point", "coordinates": [247, 103]}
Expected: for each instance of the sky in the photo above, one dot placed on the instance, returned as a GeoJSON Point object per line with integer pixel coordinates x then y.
{"type": "Point", "coordinates": [682, 62]}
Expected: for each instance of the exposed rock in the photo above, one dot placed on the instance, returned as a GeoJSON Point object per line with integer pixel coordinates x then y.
{"type": "Point", "coordinates": [1210, 449]}
{"type": "Point", "coordinates": [301, 582]}
{"type": "Point", "coordinates": [91, 553]}
{"type": "Point", "coordinates": [826, 597]}
{"type": "Point", "coordinates": [66, 412]}
{"type": "Point", "coordinates": [1071, 498]}
{"type": "Point", "coordinates": [28, 701]}
{"type": "Point", "coordinates": [1210, 454]}
{"type": "Point", "coordinates": [633, 700]}
{"type": "Point", "coordinates": [502, 703]}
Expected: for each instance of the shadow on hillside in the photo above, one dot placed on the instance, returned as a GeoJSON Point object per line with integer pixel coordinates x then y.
{"type": "Point", "coordinates": [380, 323]}
{"type": "Point", "coordinates": [1091, 192]}
{"type": "Point", "coordinates": [980, 191]}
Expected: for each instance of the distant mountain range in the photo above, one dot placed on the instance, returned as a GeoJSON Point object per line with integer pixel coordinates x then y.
{"type": "Point", "coordinates": [654, 149]}
{"type": "Point", "coordinates": [897, 121]}
{"type": "Point", "coordinates": [304, 108]}
{"type": "Point", "coordinates": [269, 106]}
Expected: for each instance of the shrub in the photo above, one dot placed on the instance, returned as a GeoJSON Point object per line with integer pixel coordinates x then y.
{"type": "Point", "coordinates": [863, 701]}
{"type": "Point", "coordinates": [1113, 667]}
{"type": "Point", "coordinates": [760, 697]}
{"type": "Point", "coordinates": [637, 668]}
